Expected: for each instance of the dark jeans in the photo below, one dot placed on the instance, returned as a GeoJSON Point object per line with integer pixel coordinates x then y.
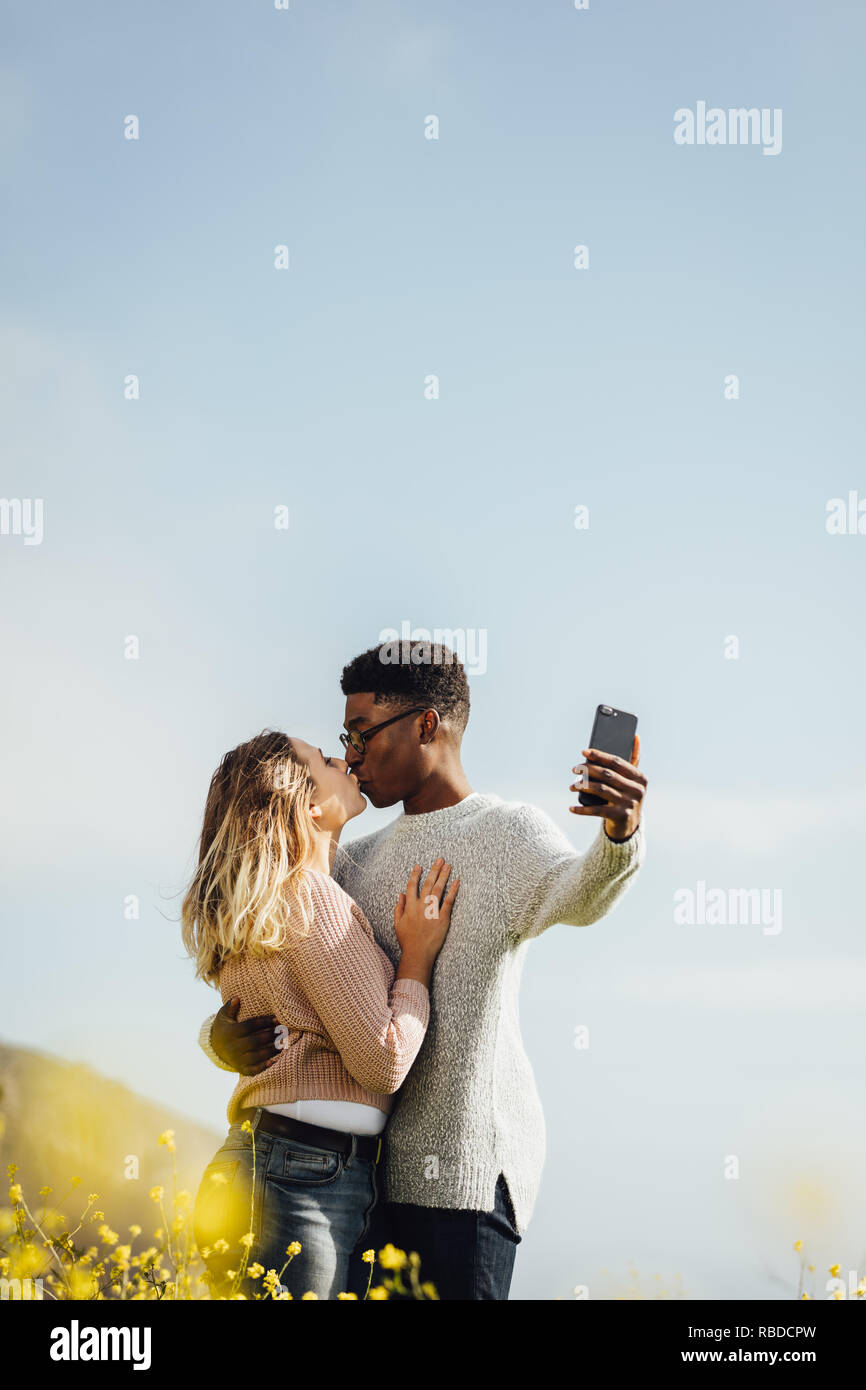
{"type": "Point", "coordinates": [468, 1255]}
{"type": "Point", "coordinates": [303, 1193]}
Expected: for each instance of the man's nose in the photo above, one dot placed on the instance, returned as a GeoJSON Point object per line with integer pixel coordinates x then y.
{"type": "Point", "coordinates": [353, 757]}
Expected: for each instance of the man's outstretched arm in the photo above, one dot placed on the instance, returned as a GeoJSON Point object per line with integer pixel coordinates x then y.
{"type": "Point", "coordinates": [247, 1047]}
{"type": "Point", "coordinates": [548, 881]}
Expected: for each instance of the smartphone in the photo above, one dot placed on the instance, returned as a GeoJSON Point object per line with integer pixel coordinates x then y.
{"type": "Point", "coordinates": [613, 731]}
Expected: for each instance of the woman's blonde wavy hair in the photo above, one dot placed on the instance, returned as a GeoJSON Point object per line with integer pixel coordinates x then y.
{"type": "Point", "coordinates": [250, 888]}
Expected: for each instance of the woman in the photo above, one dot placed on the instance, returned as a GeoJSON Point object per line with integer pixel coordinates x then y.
{"type": "Point", "coordinates": [266, 923]}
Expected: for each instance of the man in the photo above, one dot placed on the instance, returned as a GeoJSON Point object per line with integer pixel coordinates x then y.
{"type": "Point", "coordinates": [465, 1144]}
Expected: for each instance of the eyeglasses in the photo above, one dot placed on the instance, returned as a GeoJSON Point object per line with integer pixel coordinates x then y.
{"type": "Point", "coordinates": [358, 738]}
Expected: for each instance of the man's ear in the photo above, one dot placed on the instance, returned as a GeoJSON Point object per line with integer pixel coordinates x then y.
{"type": "Point", "coordinates": [429, 725]}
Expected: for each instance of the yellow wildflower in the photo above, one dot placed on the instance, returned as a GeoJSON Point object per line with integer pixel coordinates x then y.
{"type": "Point", "coordinates": [157, 1193]}
{"type": "Point", "coordinates": [167, 1138]}
{"type": "Point", "coordinates": [80, 1284]}
{"type": "Point", "coordinates": [392, 1258]}
{"type": "Point", "coordinates": [309, 1295]}
{"type": "Point", "coordinates": [378, 1292]}
{"type": "Point", "coordinates": [294, 1248]}
{"type": "Point", "coordinates": [798, 1245]}
{"type": "Point", "coordinates": [348, 1295]}
{"type": "Point", "coordinates": [369, 1257]}
{"type": "Point", "coordinates": [834, 1270]}
{"type": "Point", "coordinates": [16, 1193]}
{"type": "Point", "coordinates": [248, 1239]}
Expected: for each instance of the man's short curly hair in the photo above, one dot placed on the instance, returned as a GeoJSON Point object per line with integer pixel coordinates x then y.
{"type": "Point", "coordinates": [412, 673]}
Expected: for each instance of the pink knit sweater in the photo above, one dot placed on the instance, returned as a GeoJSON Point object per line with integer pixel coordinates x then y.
{"type": "Point", "coordinates": [353, 1031]}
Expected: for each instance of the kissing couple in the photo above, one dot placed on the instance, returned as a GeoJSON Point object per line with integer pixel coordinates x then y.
{"type": "Point", "coordinates": [383, 1094]}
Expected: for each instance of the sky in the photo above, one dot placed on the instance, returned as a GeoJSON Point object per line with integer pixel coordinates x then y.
{"type": "Point", "coordinates": [165, 386]}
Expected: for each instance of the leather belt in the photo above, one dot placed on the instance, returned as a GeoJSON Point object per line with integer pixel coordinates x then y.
{"type": "Point", "coordinates": [337, 1140]}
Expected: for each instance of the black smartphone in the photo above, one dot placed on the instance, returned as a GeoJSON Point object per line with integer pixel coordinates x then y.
{"type": "Point", "coordinates": [613, 731]}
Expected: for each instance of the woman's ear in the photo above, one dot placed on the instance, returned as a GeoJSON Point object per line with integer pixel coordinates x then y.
{"type": "Point", "coordinates": [315, 811]}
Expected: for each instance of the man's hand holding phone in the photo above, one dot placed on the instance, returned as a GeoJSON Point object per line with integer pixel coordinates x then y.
{"type": "Point", "coordinates": [611, 785]}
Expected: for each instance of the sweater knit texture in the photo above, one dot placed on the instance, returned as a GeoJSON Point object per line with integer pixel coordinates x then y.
{"type": "Point", "coordinates": [469, 1108]}
{"type": "Point", "coordinates": [353, 1031]}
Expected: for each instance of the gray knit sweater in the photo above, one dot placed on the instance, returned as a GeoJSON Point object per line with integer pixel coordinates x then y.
{"type": "Point", "coordinates": [469, 1108]}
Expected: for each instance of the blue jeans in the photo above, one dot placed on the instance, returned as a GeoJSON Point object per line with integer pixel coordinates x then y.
{"type": "Point", "coordinates": [302, 1193]}
{"type": "Point", "coordinates": [468, 1255]}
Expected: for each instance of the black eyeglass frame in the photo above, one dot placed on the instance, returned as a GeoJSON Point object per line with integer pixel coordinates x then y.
{"type": "Point", "coordinates": [364, 734]}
